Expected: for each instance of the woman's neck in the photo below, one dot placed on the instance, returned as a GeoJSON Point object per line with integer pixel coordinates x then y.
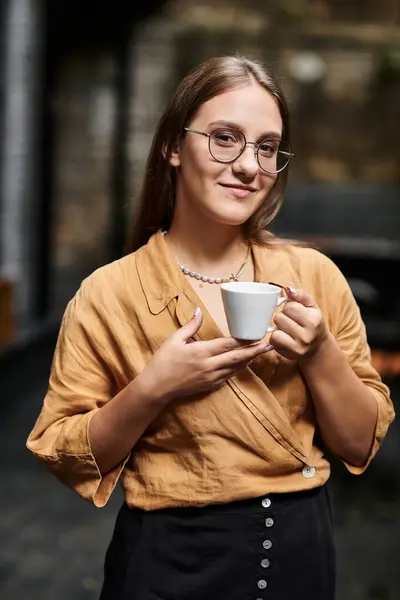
{"type": "Point", "coordinates": [205, 246]}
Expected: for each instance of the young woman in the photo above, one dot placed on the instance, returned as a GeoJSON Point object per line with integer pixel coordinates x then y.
{"type": "Point", "coordinates": [214, 440]}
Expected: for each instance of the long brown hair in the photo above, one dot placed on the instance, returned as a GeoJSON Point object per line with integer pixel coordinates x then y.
{"type": "Point", "coordinates": [209, 79]}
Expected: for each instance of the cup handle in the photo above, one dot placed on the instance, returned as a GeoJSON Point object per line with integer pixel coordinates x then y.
{"type": "Point", "coordinates": [280, 301]}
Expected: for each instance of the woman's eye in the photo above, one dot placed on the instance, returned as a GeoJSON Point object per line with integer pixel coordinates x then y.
{"type": "Point", "coordinates": [226, 137]}
{"type": "Point", "coordinates": [268, 148]}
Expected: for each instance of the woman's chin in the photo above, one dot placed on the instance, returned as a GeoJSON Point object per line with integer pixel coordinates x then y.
{"type": "Point", "coordinates": [233, 219]}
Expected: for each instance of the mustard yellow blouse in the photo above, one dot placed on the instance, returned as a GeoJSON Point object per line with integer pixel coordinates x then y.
{"type": "Point", "coordinates": [253, 436]}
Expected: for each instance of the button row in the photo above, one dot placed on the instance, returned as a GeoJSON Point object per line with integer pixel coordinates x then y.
{"type": "Point", "coordinates": [267, 545]}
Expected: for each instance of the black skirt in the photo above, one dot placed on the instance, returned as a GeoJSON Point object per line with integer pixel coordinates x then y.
{"type": "Point", "coordinates": [277, 547]}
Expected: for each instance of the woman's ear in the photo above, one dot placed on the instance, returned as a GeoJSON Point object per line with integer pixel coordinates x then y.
{"type": "Point", "coordinates": [174, 157]}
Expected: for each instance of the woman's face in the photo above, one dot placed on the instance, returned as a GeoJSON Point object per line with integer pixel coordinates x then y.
{"type": "Point", "coordinates": [227, 193]}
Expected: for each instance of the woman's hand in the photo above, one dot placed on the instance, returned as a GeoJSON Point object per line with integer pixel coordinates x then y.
{"type": "Point", "coordinates": [300, 327]}
{"type": "Point", "coordinates": [182, 367]}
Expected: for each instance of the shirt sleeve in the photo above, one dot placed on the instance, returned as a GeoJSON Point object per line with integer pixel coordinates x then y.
{"type": "Point", "coordinates": [350, 333]}
{"type": "Point", "coordinates": [80, 383]}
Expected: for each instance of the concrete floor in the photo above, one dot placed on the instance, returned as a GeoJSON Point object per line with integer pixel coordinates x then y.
{"type": "Point", "coordinates": [52, 543]}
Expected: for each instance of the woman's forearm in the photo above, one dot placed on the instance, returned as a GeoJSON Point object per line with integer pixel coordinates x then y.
{"type": "Point", "coordinates": [116, 427]}
{"type": "Point", "coordinates": [346, 410]}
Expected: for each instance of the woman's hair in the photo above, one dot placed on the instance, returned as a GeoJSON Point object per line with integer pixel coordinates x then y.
{"type": "Point", "coordinates": [211, 78]}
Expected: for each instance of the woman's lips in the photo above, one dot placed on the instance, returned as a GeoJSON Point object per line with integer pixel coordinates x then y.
{"type": "Point", "coordinates": [239, 192]}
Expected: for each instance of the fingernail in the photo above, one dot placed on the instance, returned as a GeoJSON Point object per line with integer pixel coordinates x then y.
{"type": "Point", "coordinates": [196, 313]}
{"type": "Point", "coordinates": [269, 347]}
{"type": "Point", "coordinates": [292, 290]}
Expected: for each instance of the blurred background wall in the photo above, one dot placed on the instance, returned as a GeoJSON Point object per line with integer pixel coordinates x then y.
{"type": "Point", "coordinates": [82, 85]}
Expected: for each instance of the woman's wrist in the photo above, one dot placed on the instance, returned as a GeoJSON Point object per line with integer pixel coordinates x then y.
{"type": "Point", "coordinates": [319, 351]}
{"type": "Point", "coordinates": [149, 390]}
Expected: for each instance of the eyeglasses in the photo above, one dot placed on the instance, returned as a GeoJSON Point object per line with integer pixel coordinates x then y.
{"type": "Point", "coordinates": [226, 145]}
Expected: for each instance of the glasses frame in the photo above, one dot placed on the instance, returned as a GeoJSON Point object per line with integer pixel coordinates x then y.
{"type": "Point", "coordinates": [246, 143]}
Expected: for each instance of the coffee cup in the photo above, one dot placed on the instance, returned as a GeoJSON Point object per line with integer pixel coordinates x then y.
{"type": "Point", "coordinates": [249, 308]}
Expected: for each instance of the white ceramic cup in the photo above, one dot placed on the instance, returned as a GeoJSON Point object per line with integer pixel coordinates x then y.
{"type": "Point", "coordinates": [249, 308]}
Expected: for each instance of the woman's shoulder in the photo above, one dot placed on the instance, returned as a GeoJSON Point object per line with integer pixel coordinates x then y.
{"type": "Point", "coordinates": [112, 271]}
{"type": "Point", "coordinates": [308, 268]}
{"type": "Point", "coordinates": [304, 260]}
{"type": "Point", "coordinates": [107, 283]}
{"type": "Point", "coordinates": [310, 259]}
{"type": "Point", "coordinates": [316, 272]}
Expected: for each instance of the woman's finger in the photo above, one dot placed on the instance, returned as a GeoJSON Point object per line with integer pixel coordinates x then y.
{"type": "Point", "coordinates": [232, 359]}
{"type": "Point", "coordinates": [301, 296]}
{"type": "Point", "coordinates": [281, 340]}
{"type": "Point", "coordinates": [224, 374]}
{"type": "Point", "coordinates": [286, 324]}
{"type": "Point", "coordinates": [224, 345]}
{"type": "Point", "coordinates": [297, 312]}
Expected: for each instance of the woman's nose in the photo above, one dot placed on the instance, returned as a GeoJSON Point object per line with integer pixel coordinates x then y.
{"type": "Point", "coordinates": [247, 162]}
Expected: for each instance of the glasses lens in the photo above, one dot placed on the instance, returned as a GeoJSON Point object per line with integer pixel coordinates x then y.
{"type": "Point", "coordinates": [274, 155]}
{"type": "Point", "coordinates": [226, 144]}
